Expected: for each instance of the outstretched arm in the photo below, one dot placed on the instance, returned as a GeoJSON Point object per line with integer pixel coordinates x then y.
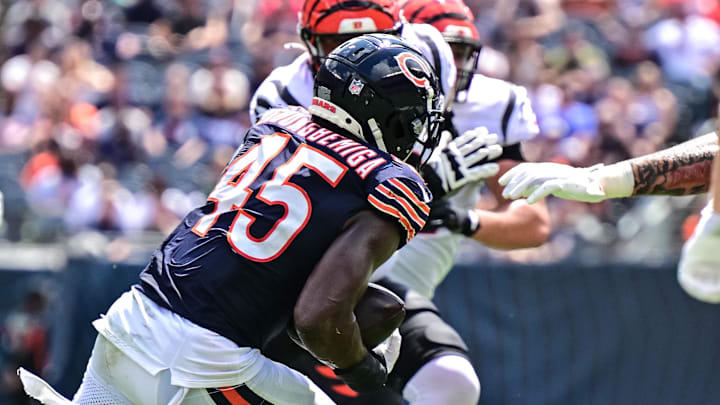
{"type": "Point", "coordinates": [680, 170]}
{"type": "Point", "coordinates": [507, 225]}
{"type": "Point", "coordinates": [512, 225]}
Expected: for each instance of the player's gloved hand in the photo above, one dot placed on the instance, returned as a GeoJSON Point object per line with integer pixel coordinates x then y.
{"type": "Point", "coordinates": [389, 349]}
{"type": "Point", "coordinates": [456, 162]}
{"type": "Point", "coordinates": [367, 376]}
{"type": "Point", "coordinates": [457, 220]}
{"type": "Point", "coordinates": [593, 184]}
{"type": "Point", "coordinates": [699, 267]}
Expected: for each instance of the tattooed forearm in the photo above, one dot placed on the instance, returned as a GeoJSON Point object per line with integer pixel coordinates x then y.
{"type": "Point", "coordinates": [681, 170]}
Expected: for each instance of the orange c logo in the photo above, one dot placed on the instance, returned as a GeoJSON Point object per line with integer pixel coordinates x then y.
{"type": "Point", "coordinates": [402, 60]}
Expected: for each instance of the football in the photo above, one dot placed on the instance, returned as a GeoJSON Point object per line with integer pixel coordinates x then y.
{"type": "Point", "coordinates": [378, 313]}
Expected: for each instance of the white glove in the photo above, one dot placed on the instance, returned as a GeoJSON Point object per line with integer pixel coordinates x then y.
{"type": "Point", "coordinates": [699, 268]}
{"type": "Point", "coordinates": [462, 160]}
{"type": "Point", "coordinates": [389, 349]}
{"type": "Point", "coordinates": [593, 184]}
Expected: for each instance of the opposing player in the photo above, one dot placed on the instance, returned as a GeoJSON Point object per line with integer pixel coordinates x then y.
{"type": "Point", "coordinates": [680, 170]}
{"type": "Point", "coordinates": [325, 24]}
{"type": "Point", "coordinates": [307, 208]}
{"type": "Point", "coordinates": [434, 367]}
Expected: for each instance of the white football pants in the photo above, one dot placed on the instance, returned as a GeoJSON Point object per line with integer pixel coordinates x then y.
{"type": "Point", "coordinates": [448, 379]}
{"type": "Point", "coordinates": [112, 378]}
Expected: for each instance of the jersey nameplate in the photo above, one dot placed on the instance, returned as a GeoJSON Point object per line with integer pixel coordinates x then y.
{"type": "Point", "coordinates": [357, 155]}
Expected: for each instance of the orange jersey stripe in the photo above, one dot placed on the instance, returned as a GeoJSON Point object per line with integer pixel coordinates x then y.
{"type": "Point", "coordinates": [409, 194]}
{"type": "Point", "coordinates": [408, 208]}
{"type": "Point", "coordinates": [394, 212]}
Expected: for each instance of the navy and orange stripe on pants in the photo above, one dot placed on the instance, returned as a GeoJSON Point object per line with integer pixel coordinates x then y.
{"type": "Point", "coordinates": [241, 395]}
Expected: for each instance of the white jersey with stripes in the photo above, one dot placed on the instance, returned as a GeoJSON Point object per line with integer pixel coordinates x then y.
{"type": "Point", "coordinates": [502, 107]}
{"type": "Point", "coordinates": [293, 84]}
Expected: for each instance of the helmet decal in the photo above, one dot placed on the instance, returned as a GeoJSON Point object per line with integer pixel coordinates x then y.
{"type": "Point", "coordinates": [458, 31]}
{"type": "Point", "coordinates": [340, 20]}
{"type": "Point", "coordinates": [356, 87]}
{"type": "Point", "coordinates": [403, 59]}
{"type": "Point", "coordinates": [364, 24]}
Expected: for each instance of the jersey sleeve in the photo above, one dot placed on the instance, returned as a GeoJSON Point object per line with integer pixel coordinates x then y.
{"type": "Point", "coordinates": [405, 200]}
{"type": "Point", "coordinates": [522, 123]}
{"type": "Point", "coordinates": [266, 97]}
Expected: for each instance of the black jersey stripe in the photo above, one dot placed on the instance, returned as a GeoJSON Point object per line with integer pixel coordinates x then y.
{"type": "Point", "coordinates": [435, 53]}
{"type": "Point", "coordinates": [285, 94]}
{"type": "Point", "coordinates": [261, 105]}
{"type": "Point", "coordinates": [508, 112]}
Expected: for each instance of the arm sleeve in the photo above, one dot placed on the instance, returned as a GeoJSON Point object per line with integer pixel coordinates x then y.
{"type": "Point", "coordinates": [512, 152]}
{"type": "Point", "coordinates": [405, 200]}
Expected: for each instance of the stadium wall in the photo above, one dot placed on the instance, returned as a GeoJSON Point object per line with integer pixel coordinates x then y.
{"type": "Point", "coordinates": [538, 335]}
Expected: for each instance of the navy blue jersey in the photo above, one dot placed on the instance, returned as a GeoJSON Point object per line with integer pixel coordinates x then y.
{"type": "Point", "coordinates": [237, 264]}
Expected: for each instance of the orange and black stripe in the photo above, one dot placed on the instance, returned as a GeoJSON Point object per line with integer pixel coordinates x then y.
{"type": "Point", "coordinates": [241, 395]}
{"type": "Point", "coordinates": [397, 198]}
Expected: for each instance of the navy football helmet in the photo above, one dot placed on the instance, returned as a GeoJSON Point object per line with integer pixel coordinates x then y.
{"type": "Point", "coordinates": [382, 91]}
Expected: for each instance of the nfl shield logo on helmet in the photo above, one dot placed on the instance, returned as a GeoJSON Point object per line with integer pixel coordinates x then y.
{"type": "Point", "coordinates": [356, 86]}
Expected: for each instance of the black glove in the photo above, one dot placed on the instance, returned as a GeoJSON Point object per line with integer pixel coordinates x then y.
{"type": "Point", "coordinates": [457, 220]}
{"type": "Point", "coordinates": [367, 376]}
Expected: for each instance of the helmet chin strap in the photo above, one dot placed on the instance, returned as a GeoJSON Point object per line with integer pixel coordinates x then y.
{"type": "Point", "coordinates": [377, 134]}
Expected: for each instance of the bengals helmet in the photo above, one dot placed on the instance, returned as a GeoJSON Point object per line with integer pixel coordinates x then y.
{"type": "Point", "coordinates": [456, 23]}
{"type": "Point", "coordinates": [325, 24]}
{"type": "Point", "coordinates": [382, 91]}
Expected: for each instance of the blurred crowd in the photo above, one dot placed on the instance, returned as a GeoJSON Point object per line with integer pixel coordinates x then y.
{"type": "Point", "coordinates": [117, 116]}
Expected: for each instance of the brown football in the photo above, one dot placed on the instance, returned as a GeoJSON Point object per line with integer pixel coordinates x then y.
{"type": "Point", "coordinates": [378, 313]}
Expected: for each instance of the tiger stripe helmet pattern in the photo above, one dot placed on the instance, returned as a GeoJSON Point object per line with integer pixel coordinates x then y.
{"type": "Point", "coordinates": [341, 20]}
{"type": "Point", "coordinates": [456, 23]}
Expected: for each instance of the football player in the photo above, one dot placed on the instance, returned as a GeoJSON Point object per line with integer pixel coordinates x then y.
{"type": "Point", "coordinates": [434, 367]}
{"type": "Point", "coordinates": [309, 205]}
{"type": "Point", "coordinates": [325, 24]}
